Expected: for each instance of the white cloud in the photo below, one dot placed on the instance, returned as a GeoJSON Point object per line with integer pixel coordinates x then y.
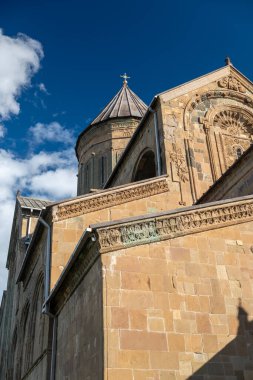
{"type": "Point", "coordinates": [45, 183]}
{"type": "Point", "coordinates": [7, 210]}
{"type": "Point", "coordinates": [24, 174]}
{"type": "Point", "coordinates": [43, 88]}
{"type": "Point", "coordinates": [61, 113]}
{"type": "Point", "coordinates": [46, 175]}
{"type": "Point", "coordinates": [20, 60]}
{"type": "Point", "coordinates": [53, 132]}
{"type": "Point", "coordinates": [2, 131]}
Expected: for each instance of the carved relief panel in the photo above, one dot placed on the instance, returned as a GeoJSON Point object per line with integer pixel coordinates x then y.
{"type": "Point", "coordinates": [219, 121]}
{"type": "Point", "coordinates": [232, 128]}
{"type": "Point", "coordinates": [225, 113]}
{"type": "Point", "coordinates": [236, 128]}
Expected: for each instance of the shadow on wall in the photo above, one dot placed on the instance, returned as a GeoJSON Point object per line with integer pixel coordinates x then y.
{"type": "Point", "coordinates": [235, 360]}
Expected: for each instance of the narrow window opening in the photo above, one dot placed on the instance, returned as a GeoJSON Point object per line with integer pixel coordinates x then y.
{"type": "Point", "coordinates": [87, 177]}
{"type": "Point", "coordinates": [239, 152]}
{"type": "Point", "coordinates": [102, 170]}
{"type": "Point", "coordinates": [146, 167]}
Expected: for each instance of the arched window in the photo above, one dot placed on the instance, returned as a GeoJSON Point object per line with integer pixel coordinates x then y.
{"type": "Point", "coordinates": [145, 167]}
{"type": "Point", "coordinates": [239, 152]}
{"type": "Point", "coordinates": [103, 170]}
{"type": "Point", "coordinates": [87, 177]}
{"type": "Point", "coordinates": [38, 324]}
{"type": "Point", "coordinates": [13, 358]}
{"type": "Point", "coordinates": [25, 339]}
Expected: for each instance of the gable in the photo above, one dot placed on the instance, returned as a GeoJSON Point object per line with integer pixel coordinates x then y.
{"type": "Point", "coordinates": [205, 80]}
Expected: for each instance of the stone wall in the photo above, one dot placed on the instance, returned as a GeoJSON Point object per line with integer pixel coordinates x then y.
{"type": "Point", "coordinates": [106, 140]}
{"type": "Point", "coordinates": [31, 352]}
{"type": "Point", "coordinates": [70, 219]}
{"type": "Point", "coordinates": [204, 126]}
{"type": "Point", "coordinates": [25, 343]}
{"type": "Point", "coordinates": [181, 308]}
{"type": "Point", "coordinates": [237, 181]}
{"type": "Point", "coordinates": [10, 305]}
{"type": "Point", "coordinates": [207, 124]}
{"type": "Point", "coordinates": [80, 330]}
{"type": "Point", "coordinates": [144, 140]}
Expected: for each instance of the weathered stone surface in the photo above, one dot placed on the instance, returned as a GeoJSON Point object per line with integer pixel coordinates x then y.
{"type": "Point", "coordinates": [148, 295]}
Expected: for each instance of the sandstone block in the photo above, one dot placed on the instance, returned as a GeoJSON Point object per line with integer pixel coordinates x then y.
{"type": "Point", "coordinates": [122, 374]}
{"type": "Point", "coordinates": [133, 359]}
{"type": "Point", "coordinates": [141, 340]}
{"type": "Point", "coordinates": [203, 323]}
{"type": "Point", "coordinates": [164, 360]}
{"type": "Point", "coordinates": [119, 318]}
{"type": "Point", "coordinates": [135, 281]}
{"type": "Point", "coordinates": [138, 319]}
{"type": "Point", "coordinates": [176, 342]}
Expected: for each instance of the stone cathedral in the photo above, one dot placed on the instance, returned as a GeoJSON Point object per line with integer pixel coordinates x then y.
{"type": "Point", "coordinates": [147, 274]}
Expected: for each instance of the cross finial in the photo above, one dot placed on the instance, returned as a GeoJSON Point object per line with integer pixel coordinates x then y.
{"type": "Point", "coordinates": [228, 61]}
{"type": "Point", "coordinates": [125, 77]}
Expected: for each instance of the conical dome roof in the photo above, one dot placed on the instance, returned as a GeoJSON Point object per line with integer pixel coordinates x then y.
{"type": "Point", "coordinates": [124, 104]}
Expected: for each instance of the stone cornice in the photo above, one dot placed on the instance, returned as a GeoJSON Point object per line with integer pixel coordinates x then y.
{"type": "Point", "coordinates": [167, 226]}
{"type": "Point", "coordinates": [114, 236]}
{"type": "Point", "coordinates": [110, 198]}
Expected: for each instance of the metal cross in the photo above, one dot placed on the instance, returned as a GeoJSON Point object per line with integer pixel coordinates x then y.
{"type": "Point", "coordinates": [125, 77]}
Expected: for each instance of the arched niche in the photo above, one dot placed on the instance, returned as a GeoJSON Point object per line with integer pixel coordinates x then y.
{"type": "Point", "coordinates": [145, 166]}
{"type": "Point", "coordinates": [37, 323]}
{"type": "Point", "coordinates": [225, 118]}
{"type": "Point", "coordinates": [25, 338]}
{"type": "Point", "coordinates": [230, 131]}
{"type": "Point", "coordinates": [13, 369]}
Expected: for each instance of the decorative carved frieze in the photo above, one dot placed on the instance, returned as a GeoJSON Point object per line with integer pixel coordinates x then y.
{"type": "Point", "coordinates": [178, 158]}
{"type": "Point", "coordinates": [231, 83]}
{"type": "Point", "coordinates": [234, 122]}
{"type": "Point", "coordinates": [145, 231]}
{"type": "Point", "coordinates": [215, 94]}
{"type": "Point", "coordinates": [127, 124]}
{"type": "Point", "coordinates": [104, 200]}
{"type": "Point", "coordinates": [173, 225]}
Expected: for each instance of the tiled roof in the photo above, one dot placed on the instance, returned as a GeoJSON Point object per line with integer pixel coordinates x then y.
{"type": "Point", "coordinates": [33, 203]}
{"type": "Point", "coordinates": [124, 104]}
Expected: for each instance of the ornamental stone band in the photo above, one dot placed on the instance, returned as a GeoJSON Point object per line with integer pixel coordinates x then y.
{"type": "Point", "coordinates": [170, 226]}
{"type": "Point", "coordinates": [101, 201]}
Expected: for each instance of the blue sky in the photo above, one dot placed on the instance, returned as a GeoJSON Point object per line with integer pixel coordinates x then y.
{"type": "Point", "coordinates": [56, 80]}
{"type": "Point", "coordinates": [87, 45]}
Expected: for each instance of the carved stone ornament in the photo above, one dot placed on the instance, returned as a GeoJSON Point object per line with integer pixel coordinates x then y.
{"type": "Point", "coordinates": [235, 122]}
{"type": "Point", "coordinates": [104, 200]}
{"type": "Point", "coordinates": [164, 227]}
{"type": "Point", "coordinates": [195, 102]}
{"type": "Point", "coordinates": [232, 144]}
{"type": "Point", "coordinates": [178, 159]}
{"type": "Point", "coordinates": [231, 83]}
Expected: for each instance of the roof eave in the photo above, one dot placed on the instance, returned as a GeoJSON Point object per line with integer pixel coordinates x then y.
{"type": "Point", "coordinates": [39, 227]}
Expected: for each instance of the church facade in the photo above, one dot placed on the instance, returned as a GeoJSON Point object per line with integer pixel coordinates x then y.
{"type": "Point", "coordinates": [147, 273]}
